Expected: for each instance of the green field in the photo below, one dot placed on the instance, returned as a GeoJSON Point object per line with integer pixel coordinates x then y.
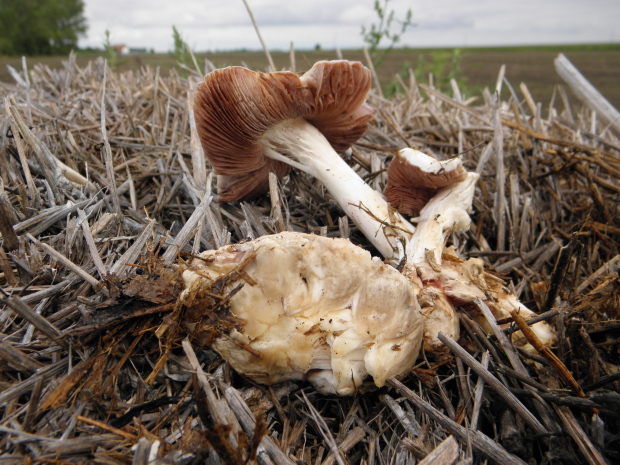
{"type": "Point", "coordinates": [476, 69]}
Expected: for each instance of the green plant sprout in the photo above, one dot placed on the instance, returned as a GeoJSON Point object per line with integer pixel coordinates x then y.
{"type": "Point", "coordinates": [110, 53]}
{"type": "Point", "coordinates": [387, 28]}
{"type": "Point", "coordinates": [444, 65]}
{"type": "Point", "coordinates": [182, 51]}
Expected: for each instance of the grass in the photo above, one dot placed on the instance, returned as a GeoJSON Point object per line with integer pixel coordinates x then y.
{"type": "Point", "coordinates": [478, 66]}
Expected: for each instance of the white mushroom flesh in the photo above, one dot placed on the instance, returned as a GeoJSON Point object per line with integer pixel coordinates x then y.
{"type": "Point", "coordinates": [427, 163]}
{"type": "Point", "coordinates": [446, 213]}
{"type": "Point", "coordinates": [310, 308]}
{"type": "Point", "coordinates": [462, 283]}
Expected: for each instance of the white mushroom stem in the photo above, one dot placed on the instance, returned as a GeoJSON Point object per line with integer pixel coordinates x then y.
{"type": "Point", "coordinates": [302, 146]}
{"type": "Point", "coordinates": [446, 213]}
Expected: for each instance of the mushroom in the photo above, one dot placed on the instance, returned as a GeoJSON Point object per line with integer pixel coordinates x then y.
{"type": "Point", "coordinates": [443, 280]}
{"type": "Point", "coordinates": [253, 123]}
{"type": "Point", "coordinates": [295, 306]}
{"type": "Point", "coordinates": [413, 178]}
{"type": "Point", "coordinates": [444, 214]}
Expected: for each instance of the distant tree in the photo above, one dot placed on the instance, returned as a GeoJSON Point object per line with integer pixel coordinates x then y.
{"type": "Point", "coordinates": [40, 27]}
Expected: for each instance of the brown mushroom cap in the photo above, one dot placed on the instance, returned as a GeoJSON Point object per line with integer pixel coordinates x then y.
{"type": "Point", "coordinates": [414, 178]}
{"type": "Point", "coordinates": [234, 107]}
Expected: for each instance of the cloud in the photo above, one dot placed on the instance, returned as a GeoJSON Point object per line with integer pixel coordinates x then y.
{"type": "Point", "coordinates": [213, 24]}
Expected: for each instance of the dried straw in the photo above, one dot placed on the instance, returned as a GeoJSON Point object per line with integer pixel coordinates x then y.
{"type": "Point", "coordinates": [101, 174]}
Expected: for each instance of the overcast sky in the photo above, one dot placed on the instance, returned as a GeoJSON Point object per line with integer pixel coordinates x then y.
{"type": "Point", "coordinates": [209, 25]}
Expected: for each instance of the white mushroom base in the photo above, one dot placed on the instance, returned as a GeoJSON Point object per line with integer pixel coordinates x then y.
{"type": "Point", "coordinates": [309, 308]}
{"type": "Point", "coordinates": [445, 281]}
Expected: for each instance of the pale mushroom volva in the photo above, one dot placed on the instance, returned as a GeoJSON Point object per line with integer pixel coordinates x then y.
{"type": "Point", "coordinates": [301, 306]}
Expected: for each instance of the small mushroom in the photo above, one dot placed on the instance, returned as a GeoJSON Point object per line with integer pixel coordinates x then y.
{"type": "Point", "coordinates": [253, 123]}
{"type": "Point", "coordinates": [445, 213]}
{"type": "Point", "coordinates": [453, 281]}
{"type": "Point", "coordinates": [295, 306]}
{"type": "Point", "coordinates": [427, 262]}
{"type": "Point", "coordinates": [414, 178]}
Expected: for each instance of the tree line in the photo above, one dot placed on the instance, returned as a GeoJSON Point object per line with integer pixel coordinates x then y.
{"type": "Point", "coordinates": [40, 27]}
